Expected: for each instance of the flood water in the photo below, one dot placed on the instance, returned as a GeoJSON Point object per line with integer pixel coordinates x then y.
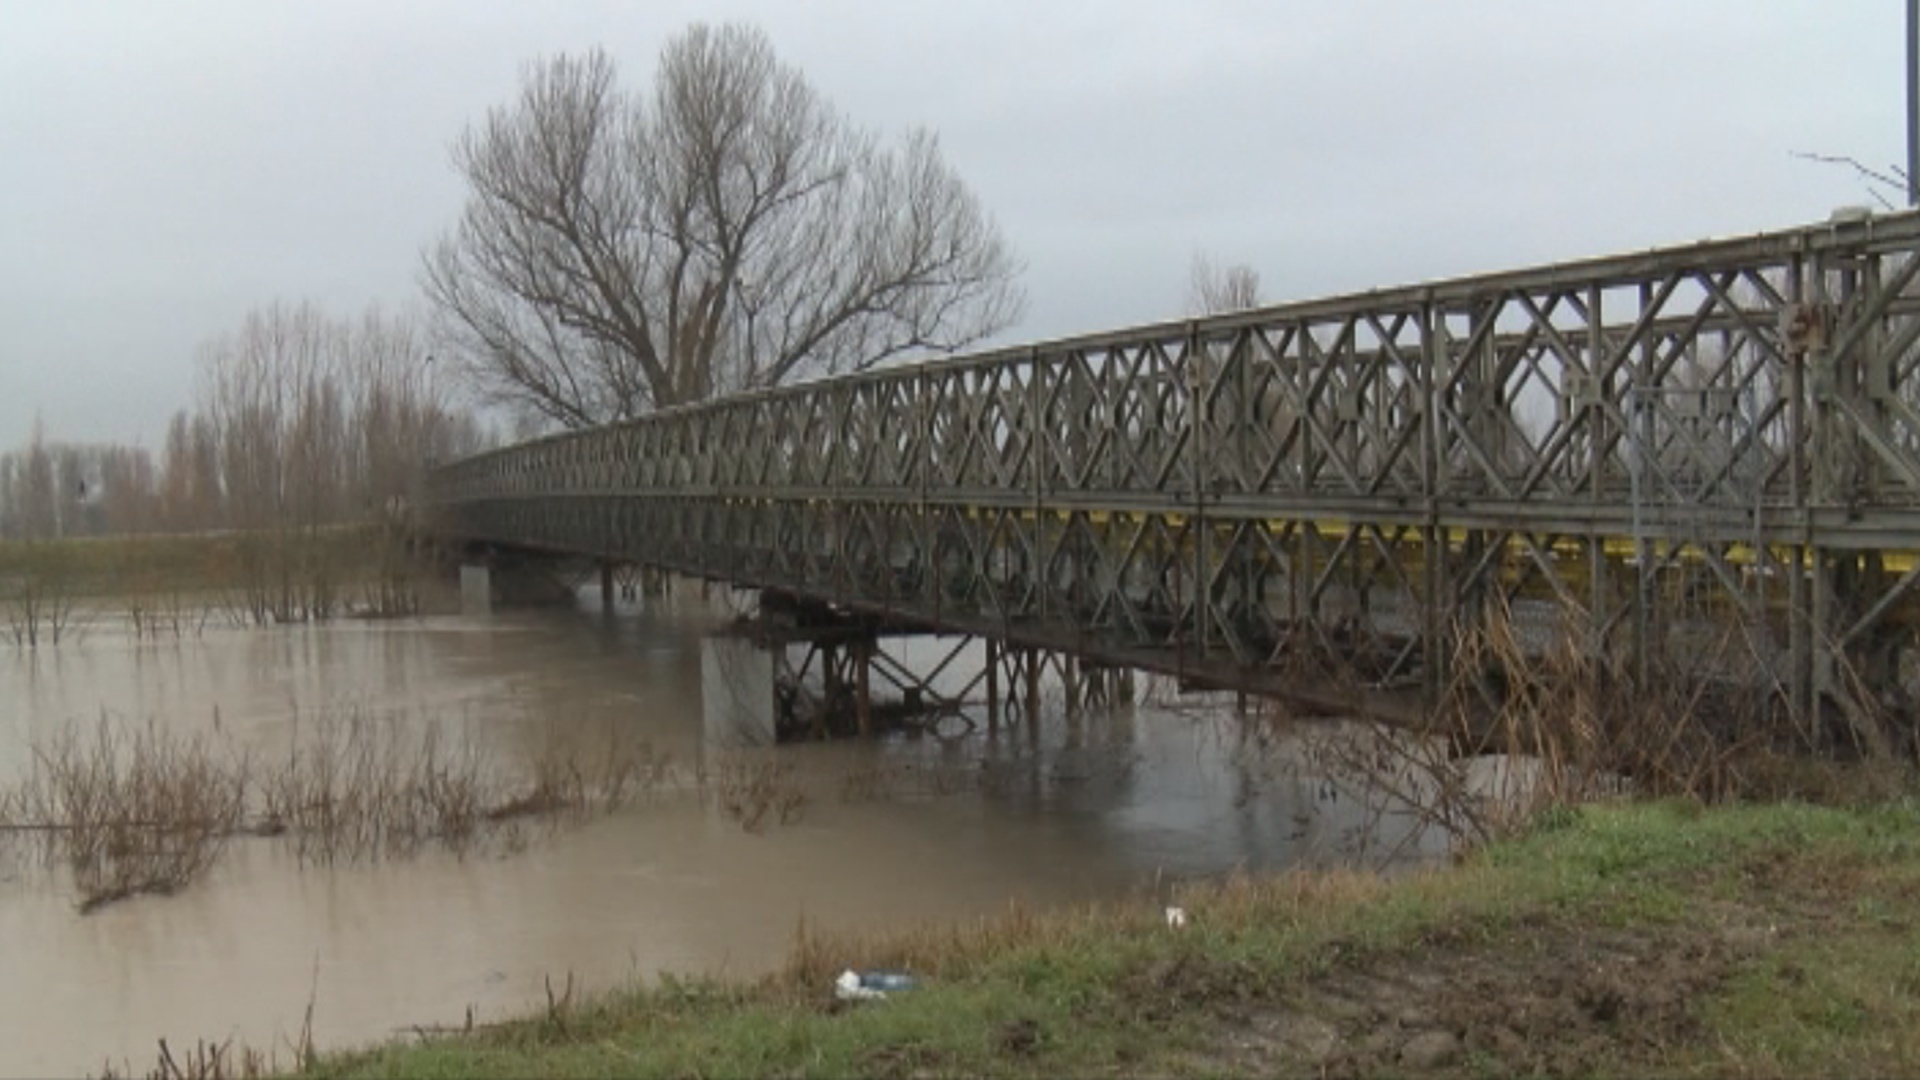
{"type": "Point", "coordinates": [1104, 805]}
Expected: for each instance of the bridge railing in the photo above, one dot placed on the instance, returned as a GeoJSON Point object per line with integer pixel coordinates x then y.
{"type": "Point", "coordinates": [1676, 370]}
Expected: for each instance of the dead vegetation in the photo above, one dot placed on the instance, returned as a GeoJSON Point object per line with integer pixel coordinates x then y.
{"type": "Point", "coordinates": [1525, 729]}
{"type": "Point", "coordinates": [164, 614]}
{"type": "Point", "coordinates": [39, 594]}
{"type": "Point", "coordinates": [203, 1061]}
{"type": "Point", "coordinates": [228, 1060]}
{"type": "Point", "coordinates": [129, 811]}
{"type": "Point", "coordinates": [754, 790]}
{"type": "Point", "coordinates": [364, 786]}
{"type": "Point", "coordinates": [132, 810]}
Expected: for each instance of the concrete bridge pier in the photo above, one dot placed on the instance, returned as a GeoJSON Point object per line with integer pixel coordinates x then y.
{"type": "Point", "coordinates": [476, 589]}
{"type": "Point", "coordinates": [739, 692]}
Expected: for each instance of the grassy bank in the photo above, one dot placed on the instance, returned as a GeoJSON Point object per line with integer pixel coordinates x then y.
{"type": "Point", "coordinates": [172, 585]}
{"type": "Point", "coordinates": [115, 565]}
{"type": "Point", "coordinates": [1653, 938]}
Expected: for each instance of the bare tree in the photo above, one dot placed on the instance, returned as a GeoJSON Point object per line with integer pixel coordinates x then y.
{"type": "Point", "coordinates": [401, 416]}
{"type": "Point", "coordinates": [62, 489]}
{"type": "Point", "coordinates": [182, 493]}
{"type": "Point", "coordinates": [129, 492]}
{"type": "Point", "coordinates": [311, 422]}
{"type": "Point", "coordinates": [36, 589]}
{"type": "Point", "coordinates": [620, 253]}
{"type": "Point", "coordinates": [1213, 289]}
{"type": "Point", "coordinates": [39, 488]}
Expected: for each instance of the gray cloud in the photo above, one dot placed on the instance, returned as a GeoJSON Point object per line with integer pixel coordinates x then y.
{"type": "Point", "coordinates": [165, 167]}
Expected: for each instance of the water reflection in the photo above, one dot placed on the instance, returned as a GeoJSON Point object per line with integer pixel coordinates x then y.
{"type": "Point", "coordinates": [892, 831]}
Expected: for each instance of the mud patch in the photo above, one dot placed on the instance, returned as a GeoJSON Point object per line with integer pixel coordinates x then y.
{"type": "Point", "coordinates": [1018, 1038]}
{"type": "Point", "coordinates": [905, 1061]}
{"type": "Point", "coordinates": [1172, 986]}
{"type": "Point", "coordinates": [1543, 996]}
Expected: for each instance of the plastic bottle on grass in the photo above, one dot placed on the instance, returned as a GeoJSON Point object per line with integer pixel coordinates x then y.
{"type": "Point", "coordinates": [871, 985]}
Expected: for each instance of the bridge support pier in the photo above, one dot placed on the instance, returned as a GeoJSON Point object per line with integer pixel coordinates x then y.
{"type": "Point", "coordinates": [739, 691]}
{"type": "Point", "coordinates": [476, 589]}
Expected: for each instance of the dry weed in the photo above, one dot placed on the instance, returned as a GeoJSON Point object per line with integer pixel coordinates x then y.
{"type": "Point", "coordinates": [130, 811]}
{"type": "Point", "coordinates": [752, 789]}
{"type": "Point", "coordinates": [1522, 729]}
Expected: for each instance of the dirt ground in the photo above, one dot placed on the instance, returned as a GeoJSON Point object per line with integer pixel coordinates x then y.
{"type": "Point", "coordinates": [1550, 996]}
{"type": "Point", "coordinates": [1550, 999]}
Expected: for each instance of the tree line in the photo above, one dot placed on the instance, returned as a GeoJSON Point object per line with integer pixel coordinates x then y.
{"type": "Point", "coordinates": [300, 420]}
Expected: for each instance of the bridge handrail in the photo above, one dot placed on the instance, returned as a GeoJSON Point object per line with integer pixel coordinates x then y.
{"type": "Point", "coordinates": [1879, 233]}
{"type": "Point", "coordinates": [1493, 390]}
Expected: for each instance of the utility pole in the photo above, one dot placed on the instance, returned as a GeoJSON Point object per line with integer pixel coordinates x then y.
{"type": "Point", "coordinates": [1913, 103]}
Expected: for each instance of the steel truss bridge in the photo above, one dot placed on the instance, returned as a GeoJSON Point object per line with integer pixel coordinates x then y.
{"type": "Point", "coordinates": [1627, 453]}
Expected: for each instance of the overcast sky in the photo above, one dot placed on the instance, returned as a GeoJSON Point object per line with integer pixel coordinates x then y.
{"type": "Point", "coordinates": [164, 167]}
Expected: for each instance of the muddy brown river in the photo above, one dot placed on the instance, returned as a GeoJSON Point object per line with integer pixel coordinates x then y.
{"type": "Point", "coordinates": [1104, 805]}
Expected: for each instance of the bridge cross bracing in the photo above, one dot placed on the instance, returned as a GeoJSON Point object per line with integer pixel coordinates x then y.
{"type": "Point", "coordinates": [1622, 452]}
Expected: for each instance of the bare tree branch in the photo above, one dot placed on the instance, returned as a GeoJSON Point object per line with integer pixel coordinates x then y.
{"type": "Point", "coordinates": [1894, 177]}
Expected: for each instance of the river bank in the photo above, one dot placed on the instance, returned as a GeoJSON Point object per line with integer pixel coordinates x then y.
{"type": "Point", "coordinates": [1746, 940]}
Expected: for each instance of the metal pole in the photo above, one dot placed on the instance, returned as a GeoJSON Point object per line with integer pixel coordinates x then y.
{"type": "Point", "coordinates": [1913, 102]}
{"type": "Point", "coordinates": [1639, 438]}
{"type": "Point", "coordinates": [993, 687]}
{"type": "Point", "coordinates": [1033, 693]}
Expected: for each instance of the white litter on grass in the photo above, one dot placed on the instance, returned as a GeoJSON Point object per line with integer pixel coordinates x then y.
{"type": "Point", "coordinates": [1176, 917]}
{"type": "Point", "coordinates": [871, 986]}
{"type": "Point", "coordinates": [847, 988]}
